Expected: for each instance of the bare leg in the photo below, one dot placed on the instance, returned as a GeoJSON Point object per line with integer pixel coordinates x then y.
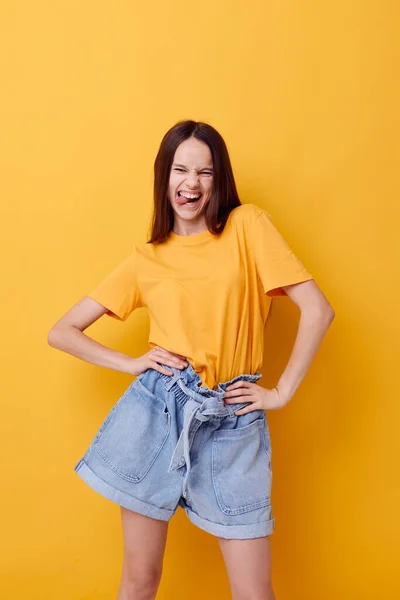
{"type": "Point", "coordinates": [248, 563]}
{"type": "Point", "coordinates": [144, 544]}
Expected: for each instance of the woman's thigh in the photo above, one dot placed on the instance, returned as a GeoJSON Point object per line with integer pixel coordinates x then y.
{"type": "Point", "coordinates": [144, 545]}
{"type": "Point", "coordinates": [248, 563]}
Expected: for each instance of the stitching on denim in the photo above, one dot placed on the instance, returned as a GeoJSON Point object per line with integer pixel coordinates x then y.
{"type": "Point", "coordinates": [147, 466]}
{"type": "Point", "coordinates": [245, 508]}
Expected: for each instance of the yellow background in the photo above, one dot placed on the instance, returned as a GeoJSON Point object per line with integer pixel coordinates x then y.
{"type": "Point", "coordinates": [306, 95]}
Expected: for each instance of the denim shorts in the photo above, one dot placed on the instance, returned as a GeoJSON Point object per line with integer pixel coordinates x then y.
{"type": "Point", "coordinates": [169, 441]}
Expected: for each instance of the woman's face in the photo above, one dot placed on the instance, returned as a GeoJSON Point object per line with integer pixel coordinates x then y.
{"type": "Point", "coordinates": [191, 173]}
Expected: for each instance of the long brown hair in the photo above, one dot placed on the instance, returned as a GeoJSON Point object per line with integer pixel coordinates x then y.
{"type": "Point", "coordinates": [224, 196]}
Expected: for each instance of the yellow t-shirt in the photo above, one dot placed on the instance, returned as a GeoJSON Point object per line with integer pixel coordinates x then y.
{"type": "Point", "coordinates": [208, 296]}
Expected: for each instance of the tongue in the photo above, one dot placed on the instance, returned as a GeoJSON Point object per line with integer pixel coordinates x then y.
{"type": "Point", "coordinates": [181, 200]}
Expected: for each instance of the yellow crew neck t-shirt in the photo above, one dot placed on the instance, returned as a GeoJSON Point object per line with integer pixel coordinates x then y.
{"type": "Point", "coordinates": [208, 296]}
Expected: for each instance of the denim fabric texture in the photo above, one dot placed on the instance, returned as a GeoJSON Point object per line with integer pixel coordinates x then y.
{"type": "Point", "coordinates": [169, 441]}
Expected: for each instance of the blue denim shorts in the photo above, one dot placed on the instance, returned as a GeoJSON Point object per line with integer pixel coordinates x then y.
{"type": "Point", "coordinates": [169, 441]}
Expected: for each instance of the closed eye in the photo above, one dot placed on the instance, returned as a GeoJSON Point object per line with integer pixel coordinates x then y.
{"type": "Point", "coordinates": [202, 173]}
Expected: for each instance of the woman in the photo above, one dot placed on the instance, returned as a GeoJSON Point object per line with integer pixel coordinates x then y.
{"type": "Point", "coordinates": [191, 429]}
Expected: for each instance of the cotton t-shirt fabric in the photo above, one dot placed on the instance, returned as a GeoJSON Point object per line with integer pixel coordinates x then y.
{"type": "Point", "coordinates": [208, 296]}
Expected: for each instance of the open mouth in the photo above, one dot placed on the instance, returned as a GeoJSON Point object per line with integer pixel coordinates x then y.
{"type": "Point", "coordinates": [181, 199]}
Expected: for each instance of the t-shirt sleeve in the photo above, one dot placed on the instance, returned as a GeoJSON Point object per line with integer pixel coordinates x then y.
{"type": "Point", "coordinates": [119, 291]}
{"type": "Point", "coordinates": [276, 263]}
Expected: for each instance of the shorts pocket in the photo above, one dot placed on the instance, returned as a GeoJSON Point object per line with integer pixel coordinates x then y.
{"type": "Point", "coordinates": [134, 432]}
{"type": "Point", "coordinates": [241, 467]}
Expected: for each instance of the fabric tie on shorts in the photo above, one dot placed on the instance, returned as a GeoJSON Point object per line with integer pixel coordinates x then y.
{"type": "Point", "coordinates": [197, 409]}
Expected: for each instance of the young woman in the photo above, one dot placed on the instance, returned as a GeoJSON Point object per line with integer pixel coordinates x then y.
{"type": "Point", "coordinates": [191, 429]}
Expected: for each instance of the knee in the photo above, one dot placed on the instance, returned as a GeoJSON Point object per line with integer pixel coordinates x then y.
{"type": "Point", "coordinates": [139, 585]}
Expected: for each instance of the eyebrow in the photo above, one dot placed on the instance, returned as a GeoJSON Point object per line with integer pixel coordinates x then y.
{"type": "Point", "coordinates": [203, 169]}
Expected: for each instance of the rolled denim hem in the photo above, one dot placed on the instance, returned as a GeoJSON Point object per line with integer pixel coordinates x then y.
{"type": "Point", "coordinates": [232, 532]}
{"type": "Point", "coordinates": [121, 498]}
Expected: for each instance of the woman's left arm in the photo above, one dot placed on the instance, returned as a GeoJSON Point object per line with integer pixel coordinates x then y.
{"type": "Point", "coordinates": [316, 315]}
{"type": "Point", "coordinates": [315, 318]}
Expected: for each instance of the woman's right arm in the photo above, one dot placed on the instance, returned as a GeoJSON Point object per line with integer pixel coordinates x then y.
{"type": "Point", "coordinates": [67, 335]}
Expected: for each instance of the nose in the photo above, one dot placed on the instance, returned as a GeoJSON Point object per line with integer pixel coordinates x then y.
{"type": "Point", "coordinates": [192, 180]}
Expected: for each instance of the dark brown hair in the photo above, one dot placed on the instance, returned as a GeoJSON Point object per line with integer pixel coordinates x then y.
{"type": "Point", "coordinates": [224, 197]}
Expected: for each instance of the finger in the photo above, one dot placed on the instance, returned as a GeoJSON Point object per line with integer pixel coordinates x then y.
{"type": "Point", "coordinates": [179, 355]}
{"type": "Point", "coordinates": [239, 400]}
{"type": "Point", "coordinates": [232, 396]}
{"type": "Point", "coordinates": [245, 410]}
{"type": "Point", "coordinates": [160, 369]}
{"type": "Point", "coordinates": [236, 390]}
{"type": "Point", "coordinates": [239, 384]}
{"type": "Point", "coordinates": [172, 355]}
{"type": "Point", "coordinates": [168, 360]}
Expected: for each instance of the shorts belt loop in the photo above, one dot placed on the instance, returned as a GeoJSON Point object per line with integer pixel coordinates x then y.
{"type": "Point", "coordinates": [173, 379]}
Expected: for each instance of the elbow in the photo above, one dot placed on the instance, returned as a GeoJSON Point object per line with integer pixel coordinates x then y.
{"type": "Point", "coordinates": [59, 335]}
{"type": "Point", "coordinates": [329, 313]}
{"type": "Point", "coordinates": [326, 315]}
{"type": "Point", "coordinates": [321, 312]}
{"type": "Point", "coordinates": [51, 337]}
{"type": "Point", "coordinates": [54, 337]}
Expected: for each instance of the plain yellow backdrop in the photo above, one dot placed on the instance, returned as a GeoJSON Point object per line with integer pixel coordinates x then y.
{"type": "Point", "coordinates": [306, 95]}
